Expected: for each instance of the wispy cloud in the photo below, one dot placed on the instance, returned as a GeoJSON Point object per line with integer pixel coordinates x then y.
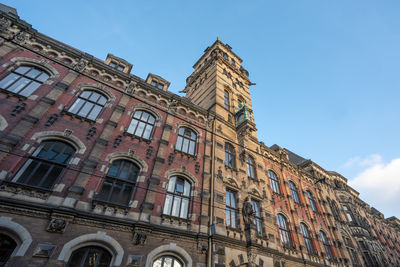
{"type": "Point", "coordinates": [378, 183]}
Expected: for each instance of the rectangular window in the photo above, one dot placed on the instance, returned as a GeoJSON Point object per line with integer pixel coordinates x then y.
{"type": "Point", "coordinates": [226, 100]}
{"type": "Point", "coordinates": [257, 215]}
{"type": "Point", "coordinates": [231, 209]}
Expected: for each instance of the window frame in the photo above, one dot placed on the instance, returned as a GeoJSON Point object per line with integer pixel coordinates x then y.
{"type": "Point", "coordinates": [274, 182]}
{"type": "Point", "coordinates": [86, 250]}
{"type": "Point", "coordinates": [174, 259]}
{"type": "Point", "coordinates": [178, 197]}
{"type": "Point", "coordinates": [87, 101]}
{"type": "Point", "coordinates": [139, 121]}
{"type": "Point", "coordinates": [230, 156]}
{"type": "Point", "coordinates": [348, 213]}
{"type": "Point", "coordinates": [40, 162]}
{"type": "Point", "coordinates": [233, 211]}
{"type": "Point", "coordinates": [251, 168]}
{"type": "Point", "coordinates": [21, 76]}
{"type": "Point", "coordinates": [310, 197]}
{"type": "Point", "coordinates": [255, 204]}
{"type": "Point", "coordinates": [114, 181]}
{"type": "Point", "coordinates": [327, 246]}
{"type": "Point", "coordinates": [284, 231]}
{"type": "Point", "coordinates": [191, 141]}
{"type": "Point", "coordinates": [294, 192]}
{"type": "Point", "coordinates": [307, 238]}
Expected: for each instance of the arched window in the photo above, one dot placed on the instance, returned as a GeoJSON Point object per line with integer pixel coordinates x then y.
{"type": "Point", "coordinates": [251, 168]}
{"type": "Point", "coordinates": [231, 209]}
{"type": "Point", "coordinates": [118, 185]}
{"type": "Point", "coordinates": [273, 179]}
{"type": "Point", "coordinates": [284, 230]}
{"type": "Point", "coordinates": [257, 215]}
{"type": "Point", "coordinates": [88, 105]}
{"type": "Point", "coordinates": [24, 80]}
{"type": "Point", "coordinates": [327, 247]}
{"type": "Point", "coordinates": [45, 165]}
{"type": "Point", "coordinates": [348, 213]}
{"type": "Point", "coordinates": [295, 194]}
{"type": "Point", "coordinates": [177, 199]}
{"type": "Point", "coordinates": [92, 256]}
{"type": "Point", "coordinates": [142, 124]}
{"type": "Point", "coordinates": [307, 238]}
{"type": "Point", "coordinates": [167, 261]}
{"type": "Point", "coordinates": [7, 246]}
{"type": "Point", "coordinates": [226, 100]}
{"type": "Point", "coordinates": [230, 160]}
{"type": "Point", "coordinates": [186, 141]}
{"type": "Point", "coordinates": [311, 200]}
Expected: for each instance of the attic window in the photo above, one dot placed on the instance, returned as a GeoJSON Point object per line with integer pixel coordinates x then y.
{"type": "Point", "coordinates": [157, 84]}
{"type": "Point", "coordinates": [225, 56]}
{"type": "Point", "coordinates": [116, 66]}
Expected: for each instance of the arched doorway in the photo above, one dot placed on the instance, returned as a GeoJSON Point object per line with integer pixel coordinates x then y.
{"type": "Point", "coordinates": [7, 246]}
{"type": "Point", "coordinates": [90, 256]}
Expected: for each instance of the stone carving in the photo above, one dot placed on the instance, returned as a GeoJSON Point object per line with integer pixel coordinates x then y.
{"type": "Point", "coordinates": [202, 247]}
{"type": "Point", "coordinates": [251, 258]}
{"type": "Point", "coordinates": [18, 108]}
{"type": "Point", "coordinates": [149, 152]}
{"type": "Point", "coordinates": [248, 213]}
{"type": "Point", "coordinates": [117, 141]}
{"type": "Point", "coordinates": [21, 190]}
{"type": "Point", "coordinates": [57, 226]}
{"type": "Point", "coordinates": [44, 250]}
{"type": "Point", "coordinates": [68, 132]}
{"type": "Point", "coordinates": [92, 131]}
{"type": "Point", "coordinates": [130, 87]}
{"type": "Point", "coordinates": [139, 238]}
{"type": "Point", "coordinates": [171, 157]}
{"type": "Point", "coordinates": [219, 174]}
{"type": "Point", "coordinates": [197, 167]}
{"type": "Point", "coordinates": [80, 65]}
{"type": "Point", "coordinates": [21, 38]}
{"type": "Point", "coordinates": [52, 119]}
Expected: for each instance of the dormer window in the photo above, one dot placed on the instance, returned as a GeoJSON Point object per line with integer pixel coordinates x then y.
{"type": "Point", "coordinates": [233, 62]}
{"type": "Point", "coordinates": [157, 84]}
{"type": "Point", "coordinates": [116, 66]}
{"type": "Point", "coordinates": [225, 56]}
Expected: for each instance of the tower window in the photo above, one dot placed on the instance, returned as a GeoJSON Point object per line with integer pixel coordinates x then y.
{"type": "Point", "coordinates": [225, 56]}
{"type": "Point", "coordinates": [251, 168]}
{"type": "Point", "coordinates": [229, 156]}
{"type": "Point", "coordinates": [231, 209]}
{"type": "Point", "coordinates": [226, 100]}
{"type": "Point", "coordinates": [257, 215]}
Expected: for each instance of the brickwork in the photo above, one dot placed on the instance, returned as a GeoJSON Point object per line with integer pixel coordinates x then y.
{"type": "Point", "coordinates": [240, 202]}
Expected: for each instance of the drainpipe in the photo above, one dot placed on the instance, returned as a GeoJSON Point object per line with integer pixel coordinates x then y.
{"type": "Point", "coordinates": [211, 206]}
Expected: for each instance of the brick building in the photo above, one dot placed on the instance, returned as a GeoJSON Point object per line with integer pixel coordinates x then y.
{"type": "Point", "coordinates": [99, 167]}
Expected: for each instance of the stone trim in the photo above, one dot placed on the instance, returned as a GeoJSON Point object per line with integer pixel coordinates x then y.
{"type": "Point", "coordinates": [73, 140]}
{"type": "Point", "coordinates": [25, 237]}
{"type": "Point", "coordinates": [99, 239]}
{"type": "Point", "coordinates": [172, 249]}
{"type": "Point", "coordinates": [3, 123]}
{"type": "Point", "coordinates": [42, 64]}
{"type": "Point", "coordinates": [97, 87]}
{"type": "Point", "coordinates": [184, 173]}
{"type": "Point", "coordinates": [128, 156]}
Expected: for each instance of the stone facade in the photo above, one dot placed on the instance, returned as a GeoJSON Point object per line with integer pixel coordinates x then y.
{"type": "Point", "coordinates": [205, 191]}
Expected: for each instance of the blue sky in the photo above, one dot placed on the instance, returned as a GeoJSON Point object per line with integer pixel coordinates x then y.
{"type": "Point", "coordinates": [327, 72]}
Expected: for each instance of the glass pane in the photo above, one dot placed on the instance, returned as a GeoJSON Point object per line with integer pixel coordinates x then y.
{"type": "Point", "coordinates": [167, 262]}
{"type": "Point", "coordinates": [77, 258]}
{"type": "Point", "coordinates": [185, 146]}
{"type": "Point", "coordinates": [177, 264]}
{"type": "Point", "coordinates": [132, 126]}
{"type": "Point", "coordinates": [192, 146]}
{"type": "Point", "coordinates": [179, 143]}
{"type": "Point", "coordinates": [27, 169]}
{"type": "Point", "coordinates": [51, 177]}
{"type": "Point", "coordinates": [179, 187]}
{"type": "Point", "coordinates": [124, 170]}
{"type": "Point", "coordinates": [175, 206]}
{"type": "Point", "coordinates": [39, 174]}
{"type": "Point", "coordinates": [157, 263]}
{"type": "Point", "coordinates": [147, 132]}
{"type": "Point", "coordinates": [233, 201]}
{"type": "Point", "coordinates": [43, 77]}
{"type": "Point", "coordinates": [91, 258]}
{"type": "Point", "coordinates": [145, 116]}
{"type": "Point", "coordinates": [95, 112]}
{"type": "Point", "coordinates": [151, 119]}
{"type": "Point", "coordinates": [85, 94]}
{"type": "Point", "coordinates": [94, 96]}
{"type": "Point", "coordinates": [105, 260]}
{"type": "Point", "coordinates": [22, 69]}
{"type": "Point", "coordinates": [184, 208]}
{"type": "Point", "coordinates": [33, 73]}
{"type": "Point", "coordinates": [105, 191]}
{"type": "Point", "coordinates": [171, 184]}
{"type": "Point", "coordinates": [140, 129]}
{"type": "Point", "coordinates": [181, 130]}
{"type": "Point", "coordinates": [138, 114]}
{"type": "Point", "coordinates": [30, 89]}
{"type": "Point", "coordinates": [115, 195]}
{"type": "Point", "coordinates": [228, 217]}
{"type": "Point", "coordinates": [126, 194]}
{"type": "Point", "coordinates": [76, 106]}
{"type": "Point", "coordinates": [9, 79]}
{"type": "Point", "coordinates": [85, 109]}
{"type": "Point", "coordinates": [167, 204]}
{"type": "Point", "coordinates": [186, 191]}
{"type": "Point", "coordinates": [19, 85]}
{"type": "Point", "coordinates": [102, 100]}
{"type": "Point", "coordinates": [113, 171]}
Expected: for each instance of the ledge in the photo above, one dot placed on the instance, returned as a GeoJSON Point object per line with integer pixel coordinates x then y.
{"type": "Point", "coordinates": [27, 190]}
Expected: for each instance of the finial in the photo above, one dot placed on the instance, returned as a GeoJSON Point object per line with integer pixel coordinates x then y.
{"type": "Point", "coordinates": [217, 38]}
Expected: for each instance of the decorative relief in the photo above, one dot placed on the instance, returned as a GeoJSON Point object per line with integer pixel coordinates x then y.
{"type": "Point", "coordinates": [52, 119]}
{"type": "Point", "coordinates": [139, 238]}
{"type": "Point", "coordinates": [21, 38]}
{"type": "Point", "coordinates": [80, 65]}
{"type": "Point", "coordinates": [92, 131]}
{"type": "Point", "coordinates": [17, 189]}
{"type": "Point", "coordinates": [57, 226]}
{"type": "Point", "coordinates": [149, 152]}
{"type": "Point", "coordinates": [18, 108]}
{"type": "Point", "coordinates": [4, 25]}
